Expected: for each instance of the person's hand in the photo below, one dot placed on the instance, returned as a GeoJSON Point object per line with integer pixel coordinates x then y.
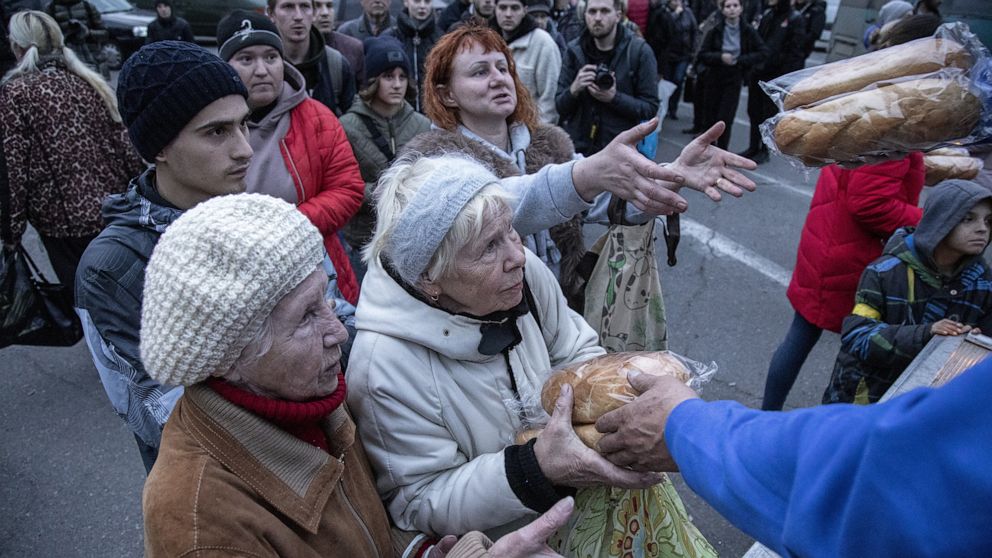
{"type": "Point", "coordinates": [530, 540]}
{"type": "Point", "coordinates": [443, 547]}
{"type": "Point", "coordinates": [949, 327]}
{"type": "Point", "coordinates": [621, 170]}
{"type": "Point", "coordinates": [635, 433]}
{"type": "Point", "coordinates": [566, 461]}
{"type": "Point", "coordinates": [710, 170]}
{"type": "Point", "coordinates": [604, 95]}
{"type": "Point", "coordinates": [728, 59]}
{"type": "Point", "coordinates": [583, 79]}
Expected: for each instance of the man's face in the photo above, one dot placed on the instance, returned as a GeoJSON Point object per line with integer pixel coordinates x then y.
{"type": "Point", "coordinates": [541, 19]}
{"type": "Point", "coordinates": [419, 10]}
{"type": "Point", "coordinates": [601, 17]}
{"type": "Point", "coordinates": [509, 14]}
{"type": "Point", "coordinates": [293, 19]}
{"type": "Point", "coordinates": [375, 9]}
{"type": "Point", "coordinates": [484, 8]}
{"type": "Point", "coordinates": [305, 357]}
{"type": "Point", "coordinates": [210, 155]}
{"type": "Point", "coordinates": [164, 10]}
{"type": "Point", "coordinates": [323, 15]}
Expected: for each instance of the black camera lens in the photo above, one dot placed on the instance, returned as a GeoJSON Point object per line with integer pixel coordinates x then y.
{"type": "Point", "coordinates": [603, 79]}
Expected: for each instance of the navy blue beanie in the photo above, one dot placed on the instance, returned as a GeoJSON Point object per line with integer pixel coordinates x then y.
{"type": "Point", "coordinates": [165, 85]}
{"type": "Point", "coordinates": [383, 54]}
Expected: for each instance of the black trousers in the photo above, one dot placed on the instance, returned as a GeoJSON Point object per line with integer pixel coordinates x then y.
{"type": "Point", "coordinates": [759, 109]}
{"type": "Point", "coordinates": [721, 96]}
{"type": "Point", "coordinates": [64, 254]}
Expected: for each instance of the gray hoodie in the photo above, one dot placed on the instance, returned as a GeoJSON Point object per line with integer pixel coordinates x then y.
{"type": "Point", "coordinates": [946, 206]}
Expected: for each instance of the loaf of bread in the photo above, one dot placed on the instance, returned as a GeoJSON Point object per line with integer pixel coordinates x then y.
{"type": "Point", "coordinates": [943, 167]}
{"type": "Point", "coordinates": [586, 432]}
{"type": "Point", "coordinates": [922, 56]}
{"type": "Point", "coordinates": [600, 385]}
{"type": "Point", "coordinates": [902, 116]}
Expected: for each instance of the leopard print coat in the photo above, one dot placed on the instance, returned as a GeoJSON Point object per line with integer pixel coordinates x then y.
{"type": "Point", "coordinates": [63, 151]}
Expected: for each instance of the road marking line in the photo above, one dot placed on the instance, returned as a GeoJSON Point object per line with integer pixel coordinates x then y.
{"type": "Point", "coordinates": [723, 246]}
{"type": "Point", "coordinates": [764, 177]}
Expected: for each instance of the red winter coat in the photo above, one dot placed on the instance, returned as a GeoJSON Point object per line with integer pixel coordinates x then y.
{"type": "Point", "coordinates": [324, 169]}
{"type": "Point", "coordinates": [852, 214]}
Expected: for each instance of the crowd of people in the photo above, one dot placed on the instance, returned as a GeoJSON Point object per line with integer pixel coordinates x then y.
{"type": "Point", "coordinates": [388, 213]}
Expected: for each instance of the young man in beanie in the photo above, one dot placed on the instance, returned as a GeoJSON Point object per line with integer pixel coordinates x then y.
{"type": "Point", "coordinates": [186, 113]}
{"type": "Point", "coordinates": [329, 77]}
{"type": "Point", "coordinates": [261, 457]}
{"type": "Point", "coordinates": [535, 53]}
{"type": "Point", "coordinates": [168, 26]}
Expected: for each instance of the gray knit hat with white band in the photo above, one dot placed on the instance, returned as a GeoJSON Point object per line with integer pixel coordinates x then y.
{"type": "Point", "coordinates": [215, 276]}
{"type": "Point", "coordinates": [431, 212]}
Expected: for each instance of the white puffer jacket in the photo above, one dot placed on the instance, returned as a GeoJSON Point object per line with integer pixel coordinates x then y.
{"type": "Point", "coordinates": [433, 412]}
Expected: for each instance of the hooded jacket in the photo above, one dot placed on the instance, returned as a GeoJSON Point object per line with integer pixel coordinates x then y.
{"type": "Point", "coordinates": [592, 124]}
{"type": "Point", "coordinates": [902, 294]}
{"type": "Point", "coordinates": [301, 146]}
{"type": "Point", "coordinates": [852, 213]}
{"type": "Point", "coordinates": [538, 63]}
{"type": "Point", "coordinates": [172, 29]}
{"type": "Point", "coordinates": [436, 416]}
{"type": "Point", "coordinates": [397, 131]}
{"type": "Point", "coordinates": [110, 281]}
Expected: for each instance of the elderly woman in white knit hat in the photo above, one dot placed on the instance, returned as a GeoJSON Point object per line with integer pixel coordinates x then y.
{"type": "Point", "coordinates": [458, 326]}
{"type": "Point", "coordinates": [259, 457]}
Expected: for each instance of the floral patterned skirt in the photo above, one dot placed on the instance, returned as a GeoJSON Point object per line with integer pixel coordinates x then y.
{"type": "Point", "coordinates": [620, 523]}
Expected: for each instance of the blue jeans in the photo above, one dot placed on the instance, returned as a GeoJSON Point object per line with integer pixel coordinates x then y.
{"type": "Point", "coordinates": [787, 360]}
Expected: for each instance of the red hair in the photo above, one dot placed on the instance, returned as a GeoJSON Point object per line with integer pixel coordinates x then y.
{"type": "Point", "coordinates": [439, 65]}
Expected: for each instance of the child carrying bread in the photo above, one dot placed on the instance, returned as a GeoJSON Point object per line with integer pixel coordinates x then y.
{"type": "Point", "coordinates": [928, 281]}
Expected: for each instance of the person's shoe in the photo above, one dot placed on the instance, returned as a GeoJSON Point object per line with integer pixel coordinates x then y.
{"type": "Point", "coordinates": [761, 157]}
{"type": "Point", "coordinates": [691, 131]}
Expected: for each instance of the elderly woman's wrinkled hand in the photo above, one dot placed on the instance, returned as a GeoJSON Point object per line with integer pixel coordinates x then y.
{"type": "Point", "coordinates": [711, 170]}
{"type": "Point", "coordinates": [635, 433]}
{"type": "Point", "coordinates": [530, 540]}
{"type": "Point", "coordinates": [566, 461]}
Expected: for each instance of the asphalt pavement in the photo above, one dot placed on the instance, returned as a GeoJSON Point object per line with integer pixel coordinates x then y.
{"type": "Point", "coordinates": [71, 478]}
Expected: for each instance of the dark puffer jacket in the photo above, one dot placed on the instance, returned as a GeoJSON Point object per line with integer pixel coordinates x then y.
{"type": "Point", "coordinates": [901, 296]}
{"type": "Point", "coordinates": [592, 124]}
{"type": "Point", "coordinates": [784, 35]}
{"type": "Point", "coordinates": [418, 38]}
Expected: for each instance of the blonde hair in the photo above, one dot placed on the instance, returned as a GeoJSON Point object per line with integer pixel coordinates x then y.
{"type": "Point", "coordinates": [41, 40]}
{"type": "Point", "coordinates": [400, 183]}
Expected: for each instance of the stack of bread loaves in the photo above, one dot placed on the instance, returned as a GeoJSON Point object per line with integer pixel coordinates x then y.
{"type": "Point", "coordinates": [600, 385]}
{"type": "Point", "coordinates": [944, 164]}
{"type": "Point", "coordinates": [909, 97]}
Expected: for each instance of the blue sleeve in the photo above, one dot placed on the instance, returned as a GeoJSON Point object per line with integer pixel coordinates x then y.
{"type": "Point", "coordinates": [906, 477]}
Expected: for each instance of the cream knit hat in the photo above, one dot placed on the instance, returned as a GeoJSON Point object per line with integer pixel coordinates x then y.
{"type": "Point", "coordinates": [215, 276]}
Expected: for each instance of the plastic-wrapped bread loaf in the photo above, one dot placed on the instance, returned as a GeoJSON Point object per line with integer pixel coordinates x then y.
{"type": "Point", "coordinates": [943, 167]}
{"type": "Point", "coordinates": [586, 432]}
{"type": "Point", "coordinates": [922, 56]}
{"type": "Point", "coordinates": [892, 117]}
{"type": "Point", "coordinates": [600, 385]}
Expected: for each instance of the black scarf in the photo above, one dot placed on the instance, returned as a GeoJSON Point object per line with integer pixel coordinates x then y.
{"type": "Point", "coordinates": [499, 330]}
{"type": "Point", "coordinates": [527, 24]}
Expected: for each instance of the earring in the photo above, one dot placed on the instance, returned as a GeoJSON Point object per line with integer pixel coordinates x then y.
{"type": "Point", "coordinates": [434, 297]}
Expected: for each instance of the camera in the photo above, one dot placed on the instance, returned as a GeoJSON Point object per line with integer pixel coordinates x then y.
{"type": "Point", "coordinates": [604, 79]}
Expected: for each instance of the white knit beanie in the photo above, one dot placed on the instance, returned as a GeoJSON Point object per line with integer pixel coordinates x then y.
{"type": "Point", "coordinates": [215, 276]}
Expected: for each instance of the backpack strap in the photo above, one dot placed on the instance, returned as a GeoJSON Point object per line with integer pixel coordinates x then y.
{"type": "Point", "coordinates": [529, 296]}
{"type": "Point", "coordinates": [377, 138]}
{"type": "Point", "coordinates": [337, 72]}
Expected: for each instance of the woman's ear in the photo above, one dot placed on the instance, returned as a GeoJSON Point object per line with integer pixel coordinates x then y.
{"type": "Point", "coordinates": [447, 100]}
{"type": "Point", "coordinates": [430, 288]}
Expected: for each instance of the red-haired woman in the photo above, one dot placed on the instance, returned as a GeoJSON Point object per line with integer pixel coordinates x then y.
{"type": "Point", "coordinates": [481, 108]}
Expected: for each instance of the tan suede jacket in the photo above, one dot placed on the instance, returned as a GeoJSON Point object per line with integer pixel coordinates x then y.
{"type": "Point", "coordinates": [228, 483]}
